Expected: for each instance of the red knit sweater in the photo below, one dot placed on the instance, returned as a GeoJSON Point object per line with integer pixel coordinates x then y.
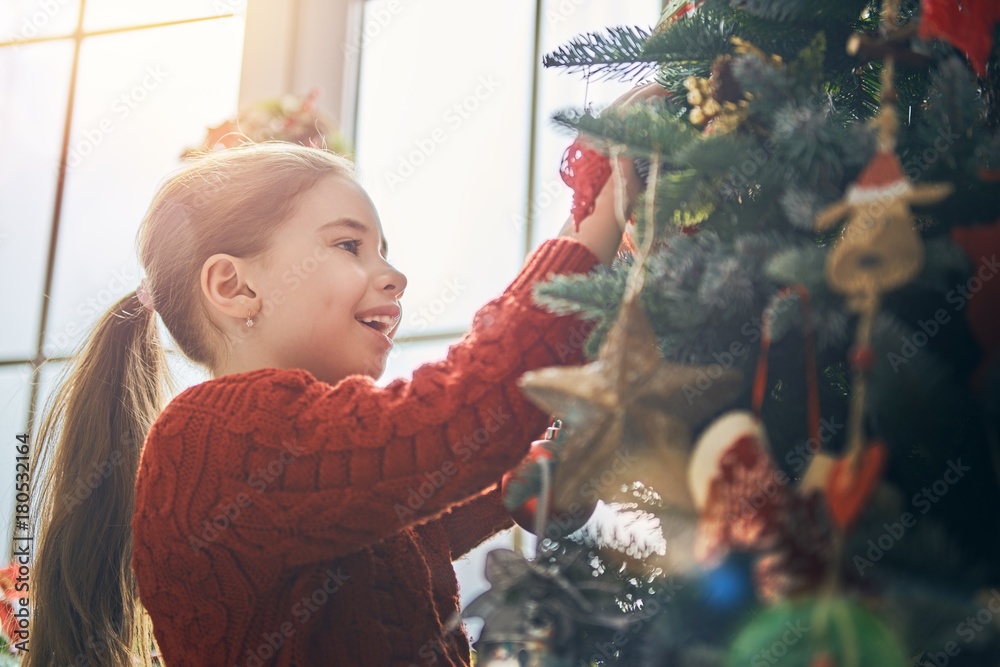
{"type": "Point", "coordinates": [280, 520]}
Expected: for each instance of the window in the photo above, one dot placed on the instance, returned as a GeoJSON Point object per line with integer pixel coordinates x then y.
{"type": "Point", "coordinates": [101, 97]}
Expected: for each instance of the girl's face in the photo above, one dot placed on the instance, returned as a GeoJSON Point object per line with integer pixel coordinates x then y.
{"type": "Point", "coordinates": [330, 296]}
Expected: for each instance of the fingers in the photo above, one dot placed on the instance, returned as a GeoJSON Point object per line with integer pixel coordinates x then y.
{"type": "Point", "coordinates": [638, 94]}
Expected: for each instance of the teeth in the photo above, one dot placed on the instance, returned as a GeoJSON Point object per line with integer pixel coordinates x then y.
{"type": "Point", "coordinates": [380, 319]}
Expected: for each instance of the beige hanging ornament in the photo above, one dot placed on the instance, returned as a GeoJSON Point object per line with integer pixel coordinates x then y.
{"type": "Point", "coordinates": [879, 250]}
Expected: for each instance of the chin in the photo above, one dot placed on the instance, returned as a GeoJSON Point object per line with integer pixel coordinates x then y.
{"type": "Point", "coordinates": [374, 372]}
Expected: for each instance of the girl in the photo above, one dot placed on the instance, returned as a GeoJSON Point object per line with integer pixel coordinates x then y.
{"type": "Point", "coordinates": [288, 511]}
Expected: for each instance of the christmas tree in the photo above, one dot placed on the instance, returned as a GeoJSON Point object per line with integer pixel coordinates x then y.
{"type": "Point", "coordinates": [795, 368]}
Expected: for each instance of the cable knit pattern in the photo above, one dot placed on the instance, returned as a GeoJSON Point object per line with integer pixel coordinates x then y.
{"type": "Point", "coordinates": [280, 520]}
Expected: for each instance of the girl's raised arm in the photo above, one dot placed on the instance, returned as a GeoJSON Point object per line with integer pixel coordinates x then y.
{"type": "Point", "coordinates": [300, 471]}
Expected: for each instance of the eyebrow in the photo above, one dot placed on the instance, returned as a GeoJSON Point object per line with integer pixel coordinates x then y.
{"type": "Point", "coordinates": [357, 226]}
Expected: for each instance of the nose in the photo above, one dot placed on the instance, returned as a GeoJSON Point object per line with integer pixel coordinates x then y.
{"type": "Point", "coordinates": [393, 280]}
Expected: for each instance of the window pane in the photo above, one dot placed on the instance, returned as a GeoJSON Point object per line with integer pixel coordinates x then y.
{"type": "Point", "coordinates": [103, 14]}
{"type": "Point", "coordinates": [27, 19]}
{"type": "Point", "coordinates": [562, 21]}
{"type": "Point", "coordinates": [404, 358]}
{"type": "Point", "coordinates": [36, 77]}
{"type": "Point", "coordinates": [185, 373]}
{"type": "Point", "coordinates": [469, 571]}
{"type": "Point", "coordinates": [442, 148]}
{"type": "Point", "coordinates": [143, 97]}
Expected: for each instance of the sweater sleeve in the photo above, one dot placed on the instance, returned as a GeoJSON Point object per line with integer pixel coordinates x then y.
{"type": "Point", "coordinates": [318, 471]}
{"type": "Point", "coordinates": [474, 521]}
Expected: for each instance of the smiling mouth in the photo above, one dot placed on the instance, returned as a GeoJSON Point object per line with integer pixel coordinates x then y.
{"type": "Point", "coordinates": [380, 323]}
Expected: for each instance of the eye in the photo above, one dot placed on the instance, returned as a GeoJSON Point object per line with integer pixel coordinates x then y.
{"type": "Point", "coordinates": [350, 246]}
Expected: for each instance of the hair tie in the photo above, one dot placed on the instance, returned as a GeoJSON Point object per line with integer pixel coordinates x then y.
{"type": "Point", "coordinates": [145, 296]}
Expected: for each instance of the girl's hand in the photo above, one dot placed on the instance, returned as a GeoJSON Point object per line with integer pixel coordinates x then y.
{"type": "Point", "coordinates": [633, 184]}
{"type": "Point", "coordinates": [602, 229]}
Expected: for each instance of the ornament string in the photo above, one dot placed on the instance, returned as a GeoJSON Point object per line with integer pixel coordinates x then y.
{"type": "Point", "coordinates": [859, 386]}
{"type": "Point", "coordinates": [867, 303]}
{"type": "Point", "coordinates": [542, 508]}
{"type": "Point", "coordinates": [637, 274]}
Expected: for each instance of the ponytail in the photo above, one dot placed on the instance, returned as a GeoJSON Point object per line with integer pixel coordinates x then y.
{"type": "Point", "coordinates": [84, 599]}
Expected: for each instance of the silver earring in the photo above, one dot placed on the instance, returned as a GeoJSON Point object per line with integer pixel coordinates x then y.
{"type": "Point", "coordinates": [249, 319]}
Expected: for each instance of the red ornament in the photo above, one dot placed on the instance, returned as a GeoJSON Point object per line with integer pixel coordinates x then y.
{"type": "Point", "coordinates": [585, 170]}
{"type": "Point", "coordinates": [966, 25]}
{"type": "Point", "coordinates": [562, 521]}
{"type": "Point", "coordinates": [848, 488]}
{"type": "Point", "coordinates": [676, 9]}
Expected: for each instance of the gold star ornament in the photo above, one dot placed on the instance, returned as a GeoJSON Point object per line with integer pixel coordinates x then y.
{"type": "Point", "coordinates": [629, 415]}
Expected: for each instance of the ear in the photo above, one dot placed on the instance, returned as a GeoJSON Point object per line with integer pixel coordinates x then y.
{"type": "Point", "coordinates": [227, 284]}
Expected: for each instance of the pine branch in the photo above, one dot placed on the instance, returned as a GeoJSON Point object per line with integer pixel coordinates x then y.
{"type": "Point", "coordinates": [684, 197]}
{"type": "Point", "coordinates": [643, 129]}
{"type": "Point", "coordinates": [708, 34]}
{"type": "Point", "coordinates": [672, 75]}
{"type": "Point", "coordinates": [618, 52]}
{"type": "Point", "coordinates": [700, 37]}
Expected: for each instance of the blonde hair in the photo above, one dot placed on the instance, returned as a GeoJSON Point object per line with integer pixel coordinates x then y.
{"type": "Point", "coordinates": [83, 594]}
